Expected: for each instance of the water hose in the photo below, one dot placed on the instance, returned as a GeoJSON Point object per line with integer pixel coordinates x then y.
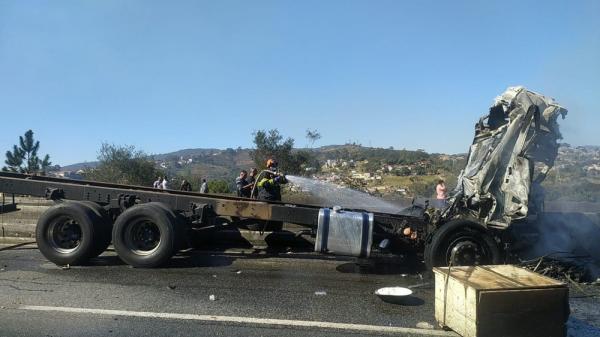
{"type": "Point", "coordinates": [258, 177]}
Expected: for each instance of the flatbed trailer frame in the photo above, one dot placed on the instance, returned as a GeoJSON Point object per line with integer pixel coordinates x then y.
{"type": "Point", "coordinates": [106, 207]}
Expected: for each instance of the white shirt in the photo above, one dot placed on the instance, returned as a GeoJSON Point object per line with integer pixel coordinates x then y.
{"type": "Point", "coordinates": [165, 184]}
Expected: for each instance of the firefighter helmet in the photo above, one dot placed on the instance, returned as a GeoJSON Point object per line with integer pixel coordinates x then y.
{"type": "Point", "coordinates": [271, 163]}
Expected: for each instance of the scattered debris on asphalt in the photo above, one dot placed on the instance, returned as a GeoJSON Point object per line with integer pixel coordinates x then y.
{"type": "Point", "coordinates": [172, 287]}
{"type": "Point", "coordinates": [425, 325]}
{"type": "Point", "coordinates": [320, 293]}
{"type": "Point", "coordinates": [66, 267]}
{"type": "Point", "coordinates": [212, 298]}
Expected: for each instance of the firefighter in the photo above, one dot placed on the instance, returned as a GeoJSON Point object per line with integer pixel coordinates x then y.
{"type": "Point", "coordinates": [269, 186]}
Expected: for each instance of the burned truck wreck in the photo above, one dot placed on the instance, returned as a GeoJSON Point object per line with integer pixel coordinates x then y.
{"type": "Point", "coordinates": [514, 147]}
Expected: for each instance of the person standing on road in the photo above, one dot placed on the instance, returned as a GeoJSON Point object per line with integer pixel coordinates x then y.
{"type": "Point", "coordinates": [440, 194]}
{"type": "Point", "coordinates": [204, 186]}
{"type": "Point", "coordinates": [157, 183]}
{"type": "Point", "coordinates": [269, 186]}
{"type": "Point", "coordinates": [242, 186]}
{"type": "Point", "coordinates": [251, 182]}
{"type": "Point", "coordinates": [186, 186]}
{"type": "Point", "coordinates": [165, 183]}
{"type": "Point", "coordinates": [252, 177]}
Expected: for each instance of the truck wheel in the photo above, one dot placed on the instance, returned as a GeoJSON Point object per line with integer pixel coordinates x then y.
{"type": "Point", "coordinates": [146, 235]}
{"type": "Point", "coordinates": [179, 220]}
{"type": "Point", "coordinates": [463, 243]}
{"type": "Point", "coordinates": [67, 233]}
{"type": "Point", "coordinates": [103, 226]}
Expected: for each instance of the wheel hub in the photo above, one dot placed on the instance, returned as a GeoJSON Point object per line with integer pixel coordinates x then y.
{"type": "Point", "coordinates": [465, 253]}
{"type": "Point", "coordinates": [143, 237]}
{"type": "Point", "coordinates": [64, 235]}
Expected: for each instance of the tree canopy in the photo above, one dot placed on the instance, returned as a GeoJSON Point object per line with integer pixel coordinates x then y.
{"type": "Point", "coordinates": [24, 158]}
{"type": "Point", "coordinates": [123, 165]}
{"type": "Point", "coordinates": [218, 186]}
{"type": "Point", "coordinates": [271, 145]}
{"type": "Point", "coordinates": [312, 136]}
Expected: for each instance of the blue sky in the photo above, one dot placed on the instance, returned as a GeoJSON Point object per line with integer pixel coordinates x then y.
{"type": "Point", "coordinates": [167, 75]}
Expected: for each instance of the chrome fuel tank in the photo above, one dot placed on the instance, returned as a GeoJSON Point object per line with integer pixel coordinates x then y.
{"type": "Point", "coordinates": [344, 232]}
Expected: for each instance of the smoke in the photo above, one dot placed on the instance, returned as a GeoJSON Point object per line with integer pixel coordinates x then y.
{"type": "Point", "coordinates": [334, 195]}
{"type": "Point", "coordinates": [570, 237]}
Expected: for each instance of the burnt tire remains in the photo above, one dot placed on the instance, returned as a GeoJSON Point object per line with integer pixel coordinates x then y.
{"type": "Point", "coordinates": [461, 243]}
{"type": "Point", "coordinates": [146, 235]}
{"type": "Point", "coordinates": [68, 233]}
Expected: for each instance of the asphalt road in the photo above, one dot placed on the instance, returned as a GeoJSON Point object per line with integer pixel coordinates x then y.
{"type": "Point", "coordinates": [255, 294]}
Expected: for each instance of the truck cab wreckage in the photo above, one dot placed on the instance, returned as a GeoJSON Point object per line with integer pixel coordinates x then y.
{"type": "Point", "coordinates": [514, 147]}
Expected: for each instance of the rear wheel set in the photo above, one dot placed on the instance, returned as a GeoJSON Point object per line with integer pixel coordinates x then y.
{"type": "Point", "coordinates": [145, 235]}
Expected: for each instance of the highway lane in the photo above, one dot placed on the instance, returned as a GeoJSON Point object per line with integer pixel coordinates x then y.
{"type": "Point", "coordinates": [255, 294]}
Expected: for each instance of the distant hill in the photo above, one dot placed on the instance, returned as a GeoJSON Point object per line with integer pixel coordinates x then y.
{"type": "Point", "coordinates": [226, 163]}
{"type": "Point", "coordinates": [576, 176]}
{"type": "Point", "coordinates": [240, 157]}
{"type": "Point", "coordinates": [79, 166]}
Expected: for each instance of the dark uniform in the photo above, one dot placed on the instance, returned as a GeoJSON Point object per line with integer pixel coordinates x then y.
{"type": "Point", "coordinates": [186, 186]}
{"type": "Point", "coordinates": [240, 183]}
{"type": "Point", "coordinates": [270, 188]}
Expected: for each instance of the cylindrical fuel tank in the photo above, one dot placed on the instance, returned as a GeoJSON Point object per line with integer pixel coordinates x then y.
{"type": "Point", "coordinates": [344, 232]}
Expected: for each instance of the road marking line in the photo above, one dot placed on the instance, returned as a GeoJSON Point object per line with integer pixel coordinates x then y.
{"type": "Point", "coordinates": [247, 320]}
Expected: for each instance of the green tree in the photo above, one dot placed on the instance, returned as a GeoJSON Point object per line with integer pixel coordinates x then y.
{"type": "Point", "coordinates": [24, 158]}
{"type": "Point", "coordinates": [14, 160]}
{"type": "Point", "coordinates": [402, 171]}
{"type": "Point", "coordinates": [312, 136]}
{"type": "Point", "coordinates": [218, 186]}
{"type": "Point", "coordinates": [271, 144]}
{"type": "Point", "coordinates": [123, 165]}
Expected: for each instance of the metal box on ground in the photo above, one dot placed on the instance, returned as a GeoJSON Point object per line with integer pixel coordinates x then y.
{"type": "Point", "coordinates": [500, 301]}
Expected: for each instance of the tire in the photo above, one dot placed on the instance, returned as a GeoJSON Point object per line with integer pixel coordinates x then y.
{"type": "Point", "coordinates": [466, 242]}
{"type": "Point", "coordinates": [103, 225]}
{"type": "Point", "coordinates": [180, 228]}
{"type": "Point", "coordinates": [146, 235]}
{"type": "Point", "coordinates": [67, 233]}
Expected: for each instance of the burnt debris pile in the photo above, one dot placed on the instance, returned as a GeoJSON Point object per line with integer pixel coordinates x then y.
{"type": "Point", "coordinates": [566, 247]}
{"type": "Point", "coordinates": [563, 269]}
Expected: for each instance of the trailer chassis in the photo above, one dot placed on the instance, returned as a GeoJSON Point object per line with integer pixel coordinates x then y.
{"type": "Point", "coordinates": [147, 226]}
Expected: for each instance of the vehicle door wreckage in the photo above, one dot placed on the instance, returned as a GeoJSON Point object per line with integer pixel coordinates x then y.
{"type": "Point", "coordinates": [515, 146]}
